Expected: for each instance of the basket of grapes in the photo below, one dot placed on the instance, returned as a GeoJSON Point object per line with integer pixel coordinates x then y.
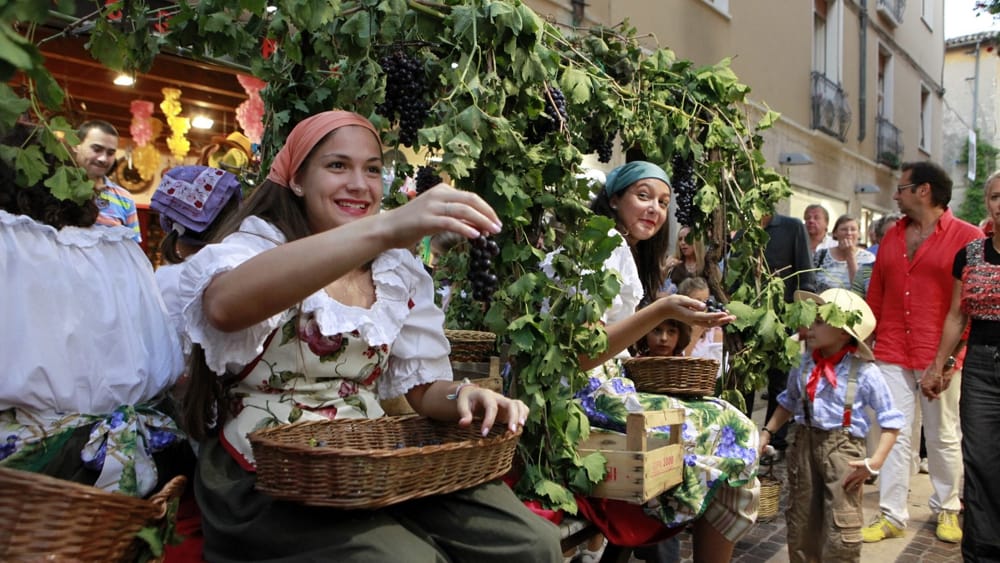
{"type": "Point", "coordinates": [471, 345]}
{"type": "Point", "coordinates": [372, 463]}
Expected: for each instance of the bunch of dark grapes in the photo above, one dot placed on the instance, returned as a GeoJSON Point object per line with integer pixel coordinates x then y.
{"type": "Point", "coordinates": [482, 274]}
{"type": "Point", "coordinates": [603, 143]}
{"type": "Point", "coordinates": [426, 179]}
{"type": "Point", "coordinates": [553, 118]}
{"type": "Point", "coordinates": [405, 94]}
{"type": "Point", "coordinates": [714, 306]}
{"type": "Point", "coordinates": [684, 185]}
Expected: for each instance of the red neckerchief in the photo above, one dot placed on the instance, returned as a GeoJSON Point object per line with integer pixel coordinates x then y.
{"type": "Point", "coordinates": [826, 367]}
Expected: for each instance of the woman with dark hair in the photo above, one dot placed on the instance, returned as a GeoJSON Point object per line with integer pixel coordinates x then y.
{"type": "Point", "coordinates": [90, 352]}
{"type": "Point", "coordinates": [312, 307]}
{"type": "Point", "coordinates": [719, 491]}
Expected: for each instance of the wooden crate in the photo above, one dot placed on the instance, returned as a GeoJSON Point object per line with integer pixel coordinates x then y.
{"type": "Point", "coordinates": [639, 466]}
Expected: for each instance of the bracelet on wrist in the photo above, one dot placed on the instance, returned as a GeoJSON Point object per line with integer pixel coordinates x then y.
{"type": "Point", "coordinates": [768, 430]}
{"type": "Point", "coordinates": [465, 383]}
{"type": "Point", "coordinates": [872, 472]}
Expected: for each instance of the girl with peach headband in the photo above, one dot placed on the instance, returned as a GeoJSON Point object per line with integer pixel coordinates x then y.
{"type": "Point", "coordinates": [312, 307]}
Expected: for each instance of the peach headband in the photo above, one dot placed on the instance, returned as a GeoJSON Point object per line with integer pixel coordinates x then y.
{"type": "Point", "coordinates": [304, 137]}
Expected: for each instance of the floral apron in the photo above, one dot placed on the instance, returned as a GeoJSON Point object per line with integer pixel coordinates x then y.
{"type": "Point", "coordinates": [303, 375]}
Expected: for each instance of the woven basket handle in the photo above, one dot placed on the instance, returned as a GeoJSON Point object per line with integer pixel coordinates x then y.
{"type": "Point", "coordinates": [173, 489]}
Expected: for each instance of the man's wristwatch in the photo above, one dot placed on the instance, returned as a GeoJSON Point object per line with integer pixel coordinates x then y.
{"type": "Point", "coordinates": [949, 363]}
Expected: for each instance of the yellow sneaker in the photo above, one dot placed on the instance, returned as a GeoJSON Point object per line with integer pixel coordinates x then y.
{"type": "Point", "coordinates": [881, 528]}
{"type": "Point", "coordinates": [947, 528]}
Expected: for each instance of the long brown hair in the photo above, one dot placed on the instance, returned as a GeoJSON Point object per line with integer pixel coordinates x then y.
{"type": "Point", "coordinates": [648, 253]}
{"type": "Point", "coordinates": [204, 406]}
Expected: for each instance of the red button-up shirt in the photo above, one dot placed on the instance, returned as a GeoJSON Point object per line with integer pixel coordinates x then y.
{"type": "Point", "coordinates": [910, 298]}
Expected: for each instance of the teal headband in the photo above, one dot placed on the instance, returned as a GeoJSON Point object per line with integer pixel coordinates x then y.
{"type": "Point", "coordinates": [628, 174]}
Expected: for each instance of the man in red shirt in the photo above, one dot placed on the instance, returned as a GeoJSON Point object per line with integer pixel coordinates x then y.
{"type": "Point", "coordinates": [910, 294]}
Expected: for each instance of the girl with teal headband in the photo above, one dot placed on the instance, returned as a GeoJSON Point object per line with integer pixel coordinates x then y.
{"type": "Point", "coordinates": [719, 491]}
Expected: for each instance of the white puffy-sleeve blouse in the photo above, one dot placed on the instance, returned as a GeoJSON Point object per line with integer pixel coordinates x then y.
{"type": "Point", "coordinates": [85, 329]}
{"type": "Point", "coordinates": [403, 316]}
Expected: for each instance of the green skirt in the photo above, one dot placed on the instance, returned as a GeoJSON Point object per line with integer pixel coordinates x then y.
{"type": "Point", "coordinates": [482, 524]}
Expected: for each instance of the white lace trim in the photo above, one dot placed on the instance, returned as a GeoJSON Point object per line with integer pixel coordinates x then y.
{"type": "Point", "coordinates": [83, 237]}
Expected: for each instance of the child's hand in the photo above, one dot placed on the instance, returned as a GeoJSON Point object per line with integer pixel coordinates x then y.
{"type": "Point", "coordinates": [857, 477]}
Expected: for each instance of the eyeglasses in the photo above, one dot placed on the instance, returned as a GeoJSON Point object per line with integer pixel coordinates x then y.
{"type": "Point", "coordinates": [904, 186]}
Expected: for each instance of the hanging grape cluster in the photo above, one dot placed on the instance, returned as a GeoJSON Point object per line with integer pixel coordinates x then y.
{"type": "Point", "coordinates": [555, 115]}
{"type": "Point", "coordinates": [482, 274]}
{"type": "Point", "coordinates": [603, 143]}
{"type": "Point", "coordinates": [406, 92]}
{"type": "Point", "coordinates": [426, 179]}
{"type": "Point", "coordinates": [685, 186]}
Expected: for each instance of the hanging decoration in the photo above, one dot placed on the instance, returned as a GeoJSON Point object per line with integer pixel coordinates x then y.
{"type": "Point", "coordinates": [141, 128]}
{"type": "Point", "coordinates": [146, 159]}
{"type": "Point", "coordinates": [250, 114]}
{"type": "Point", "coordinates": [179, 126]}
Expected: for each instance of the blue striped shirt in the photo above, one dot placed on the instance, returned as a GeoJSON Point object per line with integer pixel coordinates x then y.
{"type": "Point", "coordinates": [828, 406]}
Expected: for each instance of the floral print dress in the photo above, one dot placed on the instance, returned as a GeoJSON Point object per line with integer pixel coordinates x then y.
{"type": "Point", "coordinates": [720, 443]}
{"type": "Point", "coordinates": [322, 359]}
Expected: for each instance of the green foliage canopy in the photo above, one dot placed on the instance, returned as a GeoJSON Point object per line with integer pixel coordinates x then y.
{"type": "Point", "coordinates": [492, 63]}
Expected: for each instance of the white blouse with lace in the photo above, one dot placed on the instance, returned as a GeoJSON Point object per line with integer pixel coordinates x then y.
{"type": "Point", "coordinates": [325, 359]}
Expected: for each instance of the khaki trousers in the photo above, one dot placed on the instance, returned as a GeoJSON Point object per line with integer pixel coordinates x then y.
{"type": "Point", "coordinates": [823, 519]}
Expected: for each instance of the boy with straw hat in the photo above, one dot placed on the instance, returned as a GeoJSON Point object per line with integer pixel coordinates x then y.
{"type": "Point", "coordinates": [827, 394]}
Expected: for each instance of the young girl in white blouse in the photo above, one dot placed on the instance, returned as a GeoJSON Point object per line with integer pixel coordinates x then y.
{"type": "Point", "coordinates": [312, 307]}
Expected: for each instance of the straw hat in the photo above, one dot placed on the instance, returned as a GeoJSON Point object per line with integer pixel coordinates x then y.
{"type": "Point", "coordinates": [848, 301]}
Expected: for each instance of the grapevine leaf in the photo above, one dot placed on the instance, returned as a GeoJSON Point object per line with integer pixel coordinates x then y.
{"type": "Point", "coordinates": [575, 85]}
{"type": "Point", "coordinates": [15, 49]}
{"type": "Point", "coordinates": [768, 120]}
{"type": "Point", "coordinates": [359, 27]}
{"type": "Point", "coordinates": [11, 106]}
{"type": "Point", "coordinates": [48, 90]}
{"type": "Point", "coordinates": [30, 162]}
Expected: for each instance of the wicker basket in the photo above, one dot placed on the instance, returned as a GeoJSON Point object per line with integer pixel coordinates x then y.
{"type": "Point", "coordinates": [471, 345]}
{"type": "Point", "coordinates": [43, 518]}
{"type": "Point", "coordinates": [371, 463]}
{"type": "Point", "coordinates": [673, 375]}
{"type": "Point", "coordinates": [770, 495]}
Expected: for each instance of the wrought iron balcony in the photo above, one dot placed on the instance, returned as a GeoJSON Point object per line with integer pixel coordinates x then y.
{"type": "Point", "coordinates": [889, 148]}
{"type": "Point", "coordinates": [892, 10]}
{"type": "Point", "coordinates": [830, 112]}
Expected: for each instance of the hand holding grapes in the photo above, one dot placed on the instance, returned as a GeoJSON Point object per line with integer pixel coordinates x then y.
{"type": "Point", "coordinates": [441, 209]}
{"type": "Point", "coordinates": [694, 312]}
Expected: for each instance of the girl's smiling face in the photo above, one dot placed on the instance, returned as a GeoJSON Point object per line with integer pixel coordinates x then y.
{"type": "Point", "coordinates": [341, 181]}
{"type": "Point", "coordinates": [642, 209]}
